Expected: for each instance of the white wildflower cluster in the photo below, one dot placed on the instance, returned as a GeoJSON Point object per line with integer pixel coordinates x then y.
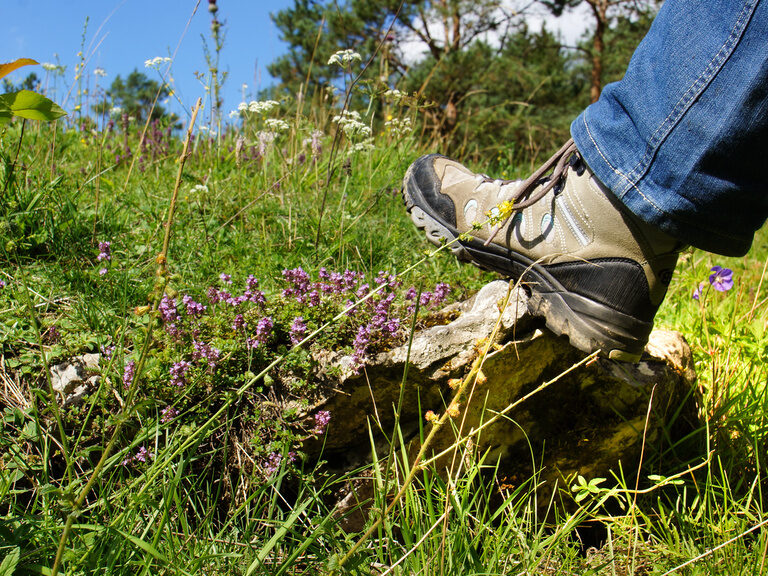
{"type": "Point", "coordinates": [351, 124]}
{"type": "Point", "coordinates": [258, 107]}
{"type": "Point", "coordinates": [344, 58]}
{"type": "Point", "coordinates": [394, 95]}
{"type": "Point", "coordinates": [100, 72]}
{"type": "Point", "coordinates": [364, 146]}
{"type": "Point", "coordinates": [199, 189]}
{"type": "Point", "coordinates": [55, 68]}
{"type": "Point", "coordinates": [398, 126]}
{"type": "Point", "coordinates": [156, 62]}
{"type": "Point", "coordinates": [276, 125]}
{"type": "Point", "coordinates": [116, 112]}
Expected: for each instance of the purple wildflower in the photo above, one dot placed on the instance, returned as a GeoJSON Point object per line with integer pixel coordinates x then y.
{"type": "Point", "coordinates": [238, 323]}
{"type": "Point", "coordinates": [168, 413]}
{"type": "Point", "coordinates": [411, 293]}
{"type": "Point", "coordinates": [225, 278]}
{"type": "Point", "coordinates": [128, 373]}
{"type": "Point", "coordinates": [255, 296]}
{"type": "Point", "coordinates": [107, 351]}
{"type": "Point", "coordinates": [105, 252]}
{"type": "Point", "coordinates": [102, 271]}
{"type": "Point", "coordinates": [299, 280]}
{"type": "Point", "coordinates": [321, 422]}
{"type": "Point", "coordinates": [441, 293]}
{"type": "Point", "coordinates": [213, 295]}
{"type": "Point", "coordinates": [298, 329]}
{"type": "Point", "coordinates": [52, 335]}
{"type": "Point", "coordinates": [272, 464]}
{"type": "Point", "coordinates": [168, 311]}
{"type": "Point", "coordinates": [722, 279]}
{"type": "Point", "coordinates": [349, 279]}
{"type": "Point", "coordinates": [179, 372]}
{"type": "Point", "coordinates": [252, 282]}
{"type": "Point", "coordinates": [362, 339]}
{"type": "Point", "coordinates": [392, 326]}
{"type": "Point", "coordinates": [206, 351]}
{"type": "Point", "coordinates": [263, 330]}
{"type": "Point", "coordinates": [142, 455]}
{"type": "Point", "coordinates": [363, 290]}
{"type": "Point", "coordinates": [193, 308]}
{"type": "Point", "coordinates": [697, 293]}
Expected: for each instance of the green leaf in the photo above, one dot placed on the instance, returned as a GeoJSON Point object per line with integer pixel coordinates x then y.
{"type": "Point", "coordinates": [9, 563]}
{"type": "Point", "coordinates": [31, 105]}
{"type": "Point", "coordinates": [279, 535]}
{"type": "Point", "coordinates": [147, 547]}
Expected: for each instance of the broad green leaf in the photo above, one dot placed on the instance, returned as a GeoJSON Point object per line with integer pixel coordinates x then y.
{"type": "Point", "coordinates": [8, 566]}
{"type": "Point", "coordinates": [31, 105]}
{"type": "Point", "coordinates": [9, 67]}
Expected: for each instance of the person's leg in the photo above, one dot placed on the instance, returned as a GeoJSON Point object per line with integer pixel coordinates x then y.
{"type": "Point", "coordinates": [676, 146]}
{"type": "Point", "coordinates": [682, 139]}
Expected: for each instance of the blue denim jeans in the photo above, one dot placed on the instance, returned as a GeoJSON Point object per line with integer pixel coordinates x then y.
{"type": "Point", "coordinates": [682, 139]}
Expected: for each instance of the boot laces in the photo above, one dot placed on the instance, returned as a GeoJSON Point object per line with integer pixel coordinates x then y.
{"type": "Point", "coordinates": [523, 195]}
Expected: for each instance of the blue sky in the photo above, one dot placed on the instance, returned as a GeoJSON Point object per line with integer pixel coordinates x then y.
{"type": "Point", "coordinates": [122, 34]}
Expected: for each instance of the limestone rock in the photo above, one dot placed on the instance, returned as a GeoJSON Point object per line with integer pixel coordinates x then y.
{"type": "Point", "coordinates": [75, 377]}
{"type": "Point", "coordinates": [589, 419]}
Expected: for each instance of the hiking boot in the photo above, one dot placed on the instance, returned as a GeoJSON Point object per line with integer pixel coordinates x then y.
{"type": "Point", "coordinates": [596, 272]}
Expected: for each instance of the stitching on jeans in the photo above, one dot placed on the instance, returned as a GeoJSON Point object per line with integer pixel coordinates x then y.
{"type": "Point", "coordinates": [615, 170]}
{"type": "Point", "coordinates": [695, 89]}
{"type": "Point", "coordinates": [635, 187]}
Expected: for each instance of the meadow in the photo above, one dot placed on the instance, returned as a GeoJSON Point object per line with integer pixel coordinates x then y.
{"type": "Point", "coordinates": [206, 266]}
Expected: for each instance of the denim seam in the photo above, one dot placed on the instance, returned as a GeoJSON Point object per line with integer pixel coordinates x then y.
{"type": "Point", "coordinates": [616, 171]}
{"type": "Point", "coordinates": [693, 92]}
{"type": "Point", "coordinates": [633, 186]}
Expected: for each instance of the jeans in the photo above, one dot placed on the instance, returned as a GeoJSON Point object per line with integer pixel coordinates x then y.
{"type": "Point", "coordinates": [682, 139]}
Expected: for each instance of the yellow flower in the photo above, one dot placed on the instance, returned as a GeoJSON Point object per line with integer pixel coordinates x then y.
{"type": "Point", "coordinates": [453, 410]}
{"type": "Point", "coordinates": [430, 416]}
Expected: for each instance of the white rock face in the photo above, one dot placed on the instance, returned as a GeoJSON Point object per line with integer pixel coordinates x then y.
{"type": "Point", "coordinates": [75, 377]}
{"type": "Point", "coordinates": [591, 420]}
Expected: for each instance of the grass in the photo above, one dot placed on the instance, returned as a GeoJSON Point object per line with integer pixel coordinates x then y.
{"type": "Point", "coordinates": [218, 492]}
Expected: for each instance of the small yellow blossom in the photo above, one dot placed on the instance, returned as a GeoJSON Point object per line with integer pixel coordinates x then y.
{"type": "Point", "coordinates": [453, 410]}
{"type": "Point", "coordinates": [430, 416]}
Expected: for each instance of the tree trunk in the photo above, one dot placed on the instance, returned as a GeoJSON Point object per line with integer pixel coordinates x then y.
{"type": "Point", "coordinates": [600, 9]}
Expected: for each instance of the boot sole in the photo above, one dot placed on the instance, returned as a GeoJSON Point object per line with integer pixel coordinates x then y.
{"type": "Point", "coordinates": [589, 325]}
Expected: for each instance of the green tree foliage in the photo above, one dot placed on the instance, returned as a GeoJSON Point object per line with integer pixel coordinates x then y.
{"type": "Point", "coordinates": [491, 85]}
{"type": "Point", "coordinates": [517, 99]}
{"type": "Point", "coordinates": [605, 14]}
{"type": "Point", "coordinates": [135, 95]}
{"type": "Point", "coordinates": [31, 82]}
{"type": "Point", "coordinates": [389, 31]}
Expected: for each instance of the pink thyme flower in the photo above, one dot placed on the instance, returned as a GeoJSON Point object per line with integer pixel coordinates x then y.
{"type": "Point", "coordinates": [168, 413]}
